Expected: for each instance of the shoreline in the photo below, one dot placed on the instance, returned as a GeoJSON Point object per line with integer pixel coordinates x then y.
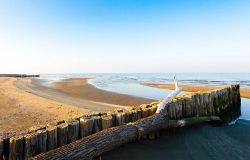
{"type": "Point", "coordinates": [78, 92]}
{"type": "Point", "coordinates": [244, 92]}
{"type": "Point", "coordinates": [24, 102]}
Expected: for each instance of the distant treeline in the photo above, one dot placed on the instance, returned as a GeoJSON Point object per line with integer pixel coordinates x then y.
{"type": "Point", "coordinates": [18, 75]}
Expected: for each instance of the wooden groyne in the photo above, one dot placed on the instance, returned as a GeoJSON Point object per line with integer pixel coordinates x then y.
{"type": "Point", "coordinates": [90, 136]}
{"type": "Point", "coordinates": [19, 75]}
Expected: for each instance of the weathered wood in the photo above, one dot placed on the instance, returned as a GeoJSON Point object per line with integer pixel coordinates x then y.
{"type": "Point", "coordinates": [1, 148]}
{"type": "Point", "coordinates": [120, 118]}
{"type": "Point", "coordinates": [36, 128]}
{"type": "Point", "coordinates": [150, 124]}
{"type": "Point", "coordinates": [133, 115]}
{"type": "Point", "coordinates": [86, 126]}
{"type": "Point", "coordinates": [113, 118]}
{"type": "Point", "coordinates": [97, 126]}
{"type": "Point", "coordinates": [6, 139]}
{"type": "Point", "coordinates": [128, 115]}
{"type": "Point", "coordinates": [16, 148]}
{"type": "Point", "coordinates": [51, 137]}
{"type": "Point", "coordinates": [93, 145]}
{"type": "Point", "coordinates": [30, 145]}
{"type": "Point", "coordinates": [42, 140]}
{"type": "Point", "coordinates": [145, 111]}
{"type": "Point", "coordinates": [73, 130]}
{"type": "Point", "coordinates": [139, 112]}
{"type": "Point", "coordinates": [107, 122]}
{"type": "Point", "coordinates": [62, 134]}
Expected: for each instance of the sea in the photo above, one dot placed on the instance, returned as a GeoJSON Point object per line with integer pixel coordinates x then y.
{"type": "Point", "coordinates": [202, 142]}
{"type": "Point", "coordinates": [129, 83]}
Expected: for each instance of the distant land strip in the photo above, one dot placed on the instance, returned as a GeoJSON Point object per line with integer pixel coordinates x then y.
{"type": "Point", "coordinates": [244, 92]}
{"type": "Point", "coordinates": [19, 75]}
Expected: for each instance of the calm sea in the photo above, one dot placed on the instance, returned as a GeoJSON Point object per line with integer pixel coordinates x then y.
{"type": "Point", "coordinates": [129, 83]}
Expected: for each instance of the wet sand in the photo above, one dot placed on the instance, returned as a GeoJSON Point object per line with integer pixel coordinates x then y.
{"type": "Point", "coordinates": [78, 92]}
{"type": "Point", "coordinates": [25, 102]}
{"type": "Point", "coordinates": [79, 87]}
{"type": "Point", "coordinates": [201, 142]}
{"type": "Point", "coordinates": [244, 92]}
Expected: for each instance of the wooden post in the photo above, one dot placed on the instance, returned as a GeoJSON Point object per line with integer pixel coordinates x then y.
{"type": "Point", "coordinates": [42, 140]}
{"type": "Point", "coordinates": [145, 111]}
{"type": "Point", "coordinates": [128, 115]}
{"type": "Point", "coordinates": [86, 126]}
{"type": "Point", "coordinates": [73, 130]}
{"type": "Point", "coordinates": [1, 148]}
{"type": "Point", "coordinates": [6, 141]}
{"type": "Point", "coordinates": [113, 118]}
{"type": "Point", "coordinates": [51, 137]}
{"type": "Point", "coordinates": [133, 115]}
{"type": "Point", "coordinates": [62, 134]}
{"type": "Point", "coordinates": [95, 145]}
{"type": "Point", "coordinates": [36, 128]}
{"type": "Point", "coordinates": [120, 118]}
{"type": "Point", "coordinates": [97, 126]}
{"type": "Point", "coordinates": [16, 148]}
{"type": "Point", "coordinates": [139, 112]}
{"type": "Point", "coordinates": [30, 145]}
{"type": "Point", "coordinates": [106, 121]}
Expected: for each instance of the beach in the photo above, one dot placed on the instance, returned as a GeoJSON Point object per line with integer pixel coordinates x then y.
{"type": "Point", "coordinates": [244, 92]}
{"type": "Point", "coordinates": [25, 102]}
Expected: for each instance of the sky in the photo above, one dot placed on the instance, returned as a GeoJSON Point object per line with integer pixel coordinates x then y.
{"type": "Point", "coordinates": [124, 36]}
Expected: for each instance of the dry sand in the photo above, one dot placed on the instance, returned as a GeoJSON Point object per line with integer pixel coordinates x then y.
{"type": "Point", "coordinates": [244, 92]}
{"type": "Point", "coordinates": [20, 110]}
{"type": "Point", "coordinates": [24, 102]}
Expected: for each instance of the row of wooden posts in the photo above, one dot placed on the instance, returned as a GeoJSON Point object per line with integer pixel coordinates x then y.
{"type": "Point", "coordinates": [41, 139]}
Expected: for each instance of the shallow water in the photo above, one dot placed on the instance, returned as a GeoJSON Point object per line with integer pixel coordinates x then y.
{"type": "Point", "coordinates": [126, 83]}
{"type": "Point", "coordinates": [129, 83]}
{"type": "Point", "coordinates": [229, 142]}
{"type": "Point", "coordinates": [201, 142]}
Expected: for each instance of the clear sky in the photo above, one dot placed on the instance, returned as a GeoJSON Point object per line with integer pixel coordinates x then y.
{"type": "Point", "coordinates": [65, 36]}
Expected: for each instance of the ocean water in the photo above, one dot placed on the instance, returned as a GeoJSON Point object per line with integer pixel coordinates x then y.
{"type": "Point", "coordinates": [129, 83]}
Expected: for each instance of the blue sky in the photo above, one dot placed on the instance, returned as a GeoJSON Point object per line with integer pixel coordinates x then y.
{"type": "Point", "coordinates": [59, 36]}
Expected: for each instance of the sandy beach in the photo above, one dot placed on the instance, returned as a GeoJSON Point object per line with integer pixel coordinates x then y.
{"type": "Point", "coordinates": [25, 102]}
{"type": "Point", "coordinates": [245, 92]}
{"type": "Point", "coordinates": [21, 110]}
